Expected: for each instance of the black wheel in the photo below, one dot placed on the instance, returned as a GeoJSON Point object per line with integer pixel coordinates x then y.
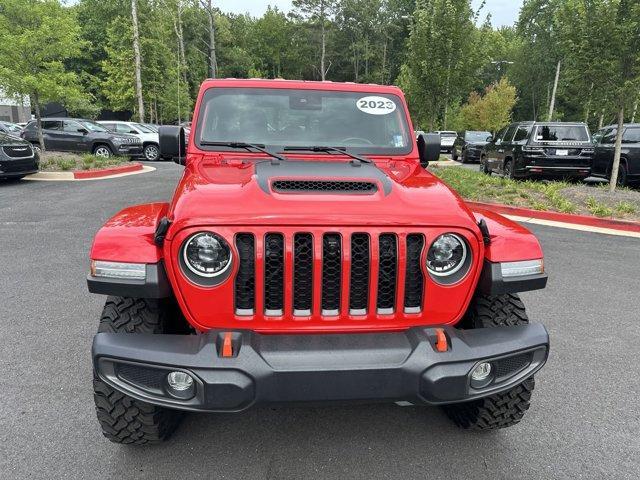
{"type": "Point", "coordinates": [502, 409]}
{"type": "Point", "coordinates": [124, 419]}
{"type": "Point", "coordinates": [102, 151]}
{"type": "Point", "coordinates": [484, 168]}
{"type": "Point", "coordinates": [454, 154]}
{"type": "Point", "coordinates": [623, 180]}
{"type": "Point", "coordinates": [464, 156]}
{"type": "Point", "coordinates": [151, 152]}
{"type": "Point", "coordinates": [508, 169]}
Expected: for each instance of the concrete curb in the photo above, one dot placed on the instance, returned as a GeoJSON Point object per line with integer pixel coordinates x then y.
{"type": "Point", "coordinates": [556, 217]}
{"type": "Point", "coordinates": [102, 174]}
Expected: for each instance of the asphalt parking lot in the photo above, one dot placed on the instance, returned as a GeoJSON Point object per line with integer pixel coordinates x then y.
{"type": "Point", "coordinates": [584, 421]}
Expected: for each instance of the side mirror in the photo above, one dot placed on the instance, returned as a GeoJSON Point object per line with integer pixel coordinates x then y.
{"type": "Point", "coordinates": [428, 148]}
{"type": "Point", "coordinates": [489, 139]}
{"type": "Point", "coordinates": [172, 143]}
{"type": "Point", "coordinates": [83, 130]}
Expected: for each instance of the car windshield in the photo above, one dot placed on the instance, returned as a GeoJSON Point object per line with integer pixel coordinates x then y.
{"type": "Point", "coordinates": [142, 128]}
{"type": "Point", "coordinates": [562, 133]}
{"type": "Point", "coordinates": [477, 136]}
{"type": "Point", "coordinates": [362, 122]}
{"type": "Point", "coordinates": [92, 126]}
{"type": "Point", "coordinates": [448, 134]}
{"type": "Point", "coordinates": [11, 127]}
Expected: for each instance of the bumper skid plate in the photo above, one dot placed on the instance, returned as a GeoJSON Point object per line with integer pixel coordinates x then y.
{"type": "Point", "coordinates": [389, 366]}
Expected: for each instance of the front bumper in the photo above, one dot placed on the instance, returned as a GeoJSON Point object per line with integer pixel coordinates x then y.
{"type": "Point", "coordinates": [388, 366]}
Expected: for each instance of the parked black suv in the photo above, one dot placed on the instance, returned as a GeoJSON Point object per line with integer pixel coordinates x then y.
{"type": "Point", "coordinates": [540, 149]}
{"type": "Point", "coordinates": [468, 145]}
{"type": "Point", "coordinates": [17, 158]}
{"type": "Point", "coordinates": [604, 140]}
{"type": "Point", "coordinates": [82, 136]}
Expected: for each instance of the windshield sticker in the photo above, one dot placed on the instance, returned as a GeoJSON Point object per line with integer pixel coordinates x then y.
{"type": "Point", "coordinates": [376, 105]}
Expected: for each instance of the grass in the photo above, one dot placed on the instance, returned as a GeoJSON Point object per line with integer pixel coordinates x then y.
{"type": "Point", "coordinates": [557, 196]}
{"type": "Point", "coordinates": [65, 162]}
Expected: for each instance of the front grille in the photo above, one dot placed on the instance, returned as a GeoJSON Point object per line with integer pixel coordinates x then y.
{"type": "Point", "coordinates": [310, 186]}
{"type": "Point", "coordinates": [18, 151]}
{"type": "Point", "coordinates": [330, 273]}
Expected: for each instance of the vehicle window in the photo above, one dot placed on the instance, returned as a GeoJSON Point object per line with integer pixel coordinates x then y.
{"type": "Point", "coordinates": [631, 135]}
{"type": "Point", "coordinates": [500, 135]}
{"type": "Point", "coordinates": [71, 126]}
{"type": "Point", "coordinates": [522, 133]}
{"type": "Point", "coordinates": [51, 125]}
{"type": "Point", "coordinates": [142, 128]}
{"type": "Point", "coordinates": [476, 136]}
{"type": "Point", "coordinates": [610, 136]}
{"type": "Point", "coordinates": [508, 136]}
{"type": "Point", "coordinates": [597, 137]}
{"type": "Point", "coordinates": [122, 128]}
{"type": "Point", "coordinates": [92, 126]}
{"type": "Point", "coordinates": [363, 122]}
{"type": "Point", "coordinates": [562, 133]}
{"type": "Point", "coordinates": [109, 126]}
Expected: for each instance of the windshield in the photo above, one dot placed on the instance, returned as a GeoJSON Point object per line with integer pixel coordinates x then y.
{"type": "Point", "coordinates": [362, 122]}
{"type": "Point", "coordinates": [448, 134]}
{"type": "Point", "coordinates": [477, 136]}
{"type": "Point", "coordinates": [561, 133]}
{"type": "Point", "coordinates": [92, 126]}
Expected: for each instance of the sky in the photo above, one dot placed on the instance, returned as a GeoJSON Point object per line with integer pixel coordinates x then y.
{"type": "Point", "coordinates": [503, 12]}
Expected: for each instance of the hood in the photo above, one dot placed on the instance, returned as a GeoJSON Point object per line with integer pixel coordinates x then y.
{"type": "Point", "coordinates": [328, 192]}
{"type": "Point", "coordinates": [10, 139]}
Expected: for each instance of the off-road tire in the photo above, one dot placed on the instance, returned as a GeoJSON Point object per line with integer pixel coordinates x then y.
{"type": "Point", "coordinates": [502, 409]}
{"type": "Point", "coordinates": [124, 419]}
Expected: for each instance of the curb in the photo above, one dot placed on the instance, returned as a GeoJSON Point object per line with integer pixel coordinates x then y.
{"type": "Point", "coordinates": [559, 217]}
{"type": "Point", "coordinates": [105, 172]}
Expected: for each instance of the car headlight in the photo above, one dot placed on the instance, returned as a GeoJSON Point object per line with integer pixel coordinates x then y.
{"type": "Point", "coordinates": [447, 255]}
{"type": "Point", "coordinates": [206, 254]}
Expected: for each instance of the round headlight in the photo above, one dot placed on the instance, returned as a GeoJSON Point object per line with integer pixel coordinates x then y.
{"type": "Point", "coordinates": [207, 254]}
{"type": "Point", "coordinates": [446, 255]}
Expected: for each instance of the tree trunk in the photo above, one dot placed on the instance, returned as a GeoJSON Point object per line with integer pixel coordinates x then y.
{"type": "Point", "coordinates": [36, 105]}
{"type": "Point", "coordinates": [323, 40]}
{"type": "Point", "coordinates": [601, 119]}
{"type": "Point", "coordinates": [177, 27]}
{"type": "Point", "coordinates": [552, 103]}
{"type": "Point", "coordinates": [213, 63]}
{"type": "Point", "coordinates": [635, 111]}
{"type": "Point", "coordinates": [613, 181]}
{"type": "Point", "coordinates": [588, 105]}
{"type": "Point", "coordinates": [137, 59]}
{"type": "Point", "coordinates": [446, 95]}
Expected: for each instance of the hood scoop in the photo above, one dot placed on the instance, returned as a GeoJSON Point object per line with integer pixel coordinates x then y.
{"type": "Point", "coordinates": [309, 177]}
{"type": "Point", "coordinates": [323, 186]}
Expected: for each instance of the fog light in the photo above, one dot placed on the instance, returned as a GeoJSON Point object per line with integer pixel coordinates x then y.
{"type": "Point", "coordinates": [181, 385]}
{"type": "Point", "coordinates": [481, 372]}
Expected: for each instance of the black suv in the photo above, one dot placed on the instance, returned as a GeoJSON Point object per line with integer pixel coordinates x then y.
{"type": "Point", "coordinates": [604, 140]}
{"type": "Point", "coordinates": [540, 149]}
{"type": "Point", "coordinates": [17, 158]}
{"type": "Point", "coordinates": [82, 136]}
{"type": "Point", "coordinates": [468, 145]}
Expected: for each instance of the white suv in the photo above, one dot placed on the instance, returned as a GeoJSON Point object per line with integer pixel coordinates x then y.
{"type": "Point", "coordinates": [150, 144]}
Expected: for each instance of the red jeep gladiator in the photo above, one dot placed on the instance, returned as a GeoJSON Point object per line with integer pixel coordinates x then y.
{"type": "Point", "coordinates": [308, 256]}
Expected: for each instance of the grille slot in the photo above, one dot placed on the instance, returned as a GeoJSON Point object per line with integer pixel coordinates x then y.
{"type": "Point", "coordinates": [273, 274]}
{"type": "Point", "coordinates": [359, 281]}
{"type": "Point", "coordinates": [340, 186]}
{"type": "Point", "coordinates": [245, 282]}
{"type": "Point", "coordinates": [387, 274]}
{"type": "Point", "coordinates": [302, 273]}
{"type": "Point", "coordinates": [331, 273]}
{"type": "Point", "coordinates": [414, 279]}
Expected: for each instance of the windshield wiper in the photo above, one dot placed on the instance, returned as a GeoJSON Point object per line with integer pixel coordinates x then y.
{"type": "Point", "coordinates": [342, 150]}
{"type": "Point", "coordinates": [247, 146]}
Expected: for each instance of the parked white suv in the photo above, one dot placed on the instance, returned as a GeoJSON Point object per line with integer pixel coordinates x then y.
{"type": "Point", "coordinates": [447, 137]}
{"type": "Point", "coordinates": [150, 144]}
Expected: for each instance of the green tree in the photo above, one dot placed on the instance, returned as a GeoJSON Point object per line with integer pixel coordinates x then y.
{"type": "Point", "coordinates": [490, 111]}
{"type": "Point", "coordinates": [36, 37]}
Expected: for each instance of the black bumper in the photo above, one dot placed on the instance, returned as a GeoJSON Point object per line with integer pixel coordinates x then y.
{"type": "Point", "coordinates": [398, 366]}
